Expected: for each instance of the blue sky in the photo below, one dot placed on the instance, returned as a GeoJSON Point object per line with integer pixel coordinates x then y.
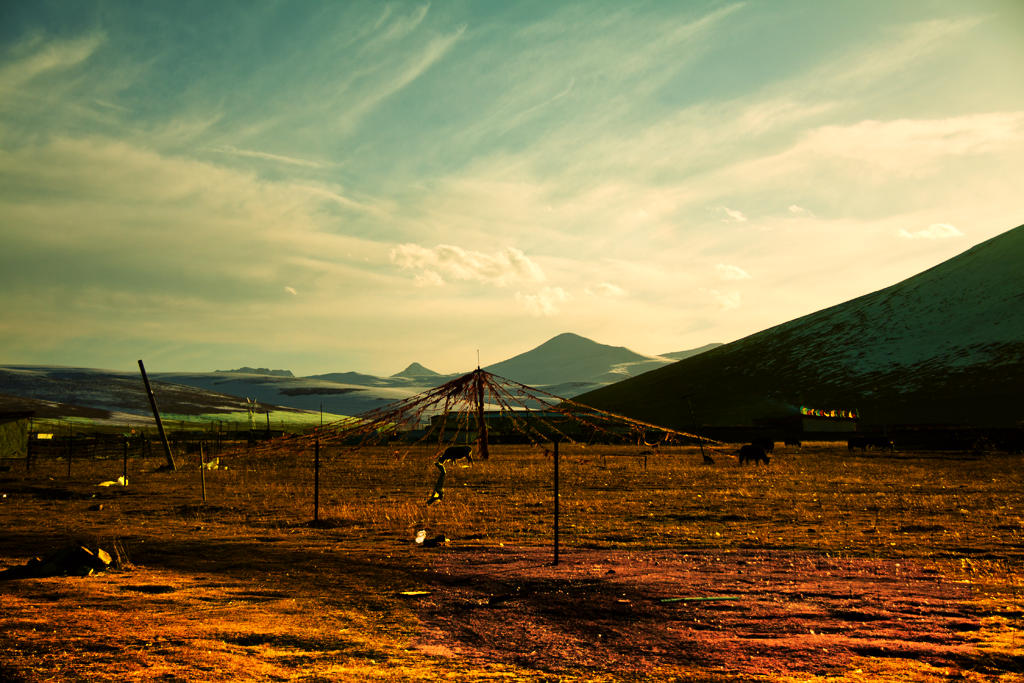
{"type": "Point", "coordinates": [327, 186]}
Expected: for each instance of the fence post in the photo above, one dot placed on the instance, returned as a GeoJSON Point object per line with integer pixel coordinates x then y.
{"type": "Point", "coordinates": [124, 464]}
{"type": "Point", "coordinates": [555, 456]}
{"type": "Point", "coordinates": [316, 480]}
{"type": "Point", "coordinates": [71, 448]}
{"type": "Point", "coordinates": [202, 470]}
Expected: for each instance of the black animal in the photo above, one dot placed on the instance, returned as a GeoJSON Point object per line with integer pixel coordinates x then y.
{"type": "Point", "coordinates": [792, 441]}
{"type": "Point", "coordinates": [767, 444]}
{"type": "Point", "coordinates": [754, 453]}
{"type": "Point", "coordinates": [454, 453]}
{"type": "Point", "coordinates": [866, 442]}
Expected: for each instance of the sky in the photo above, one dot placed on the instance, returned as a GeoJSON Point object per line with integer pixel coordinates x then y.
{"type": "Point", "coordinates": [334, 186]}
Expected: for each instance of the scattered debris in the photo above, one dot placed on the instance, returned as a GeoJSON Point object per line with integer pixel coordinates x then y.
{"type": "Point", "coordinates": [413, 594]}
{"type": "Point", "coordinates": [212, 464]}
{"type": "Point", "coordinates": [422, 540]}
{"type": "Point", "coordinates": [120, 481]}
{"type": "Point", "coordinates": [75, 560]}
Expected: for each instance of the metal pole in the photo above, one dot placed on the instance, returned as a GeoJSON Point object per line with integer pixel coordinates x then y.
{"type": "Point", "coordinates": [693, 419]}
{"type": "Point", "coordinates": [156, 416]}
{"type": "Point", "coordinates": [202, 470]}
{"type": "Point", "coordinates": [556, 500]}
{"type": "Point", "coordinates": [316, 480]}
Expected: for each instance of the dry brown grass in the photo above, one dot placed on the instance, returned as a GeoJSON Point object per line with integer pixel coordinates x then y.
{"type": "Point", "coordinates": [837, 567]}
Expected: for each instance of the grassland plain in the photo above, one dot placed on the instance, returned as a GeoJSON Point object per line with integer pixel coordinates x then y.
{"type": "Point", "coordinates": [822, 566]}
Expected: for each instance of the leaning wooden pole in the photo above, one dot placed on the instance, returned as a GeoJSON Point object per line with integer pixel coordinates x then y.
{"type": "Point", "coordinates": [156, 416]}
{"type": "Point", "coordinates": [481, 445]}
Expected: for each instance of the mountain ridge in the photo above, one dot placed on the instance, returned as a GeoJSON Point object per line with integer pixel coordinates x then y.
{"type": "Point", "coordinates": [941, 347]}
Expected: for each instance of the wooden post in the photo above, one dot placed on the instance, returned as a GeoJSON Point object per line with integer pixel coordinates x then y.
{"type": "Point", "coordinates": [202, 470]}
{"type": "Point", "coordinates": [555, 456]}
{"type": "Point", "coordinates": [481, 445]}
{"type": "Point", "coordinates": [316, 480]}
{"type": "Point", "coordinates": [700, 441]}
{"type": "Point", "coordinates": [71, 448]}
{"type": "Point", "coordinates": [124, 464]}
{"type": "Point", "coordinates": [28, 449]}
{"type": "Point", "coordinates": [156, 416]}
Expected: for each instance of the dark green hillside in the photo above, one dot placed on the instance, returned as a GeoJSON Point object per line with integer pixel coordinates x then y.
{"type": "Point", "coordinates": [943, 347]}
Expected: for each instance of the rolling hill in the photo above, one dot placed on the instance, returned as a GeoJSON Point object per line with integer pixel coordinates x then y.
{"type": "Point", "coordinates": [565, 365]}
{"type": "Point", "coordinates": [945, 347]}
{"type": "Point", "coordinates": [109, 396]}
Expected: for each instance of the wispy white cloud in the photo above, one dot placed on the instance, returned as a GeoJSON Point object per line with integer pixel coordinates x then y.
{"type": "Point", "coordinates": [428, 278]}
{"type": "Point", "coordinates": [728, 272]}
{"type": "Point", "coordinates": [607, 290]}
{"type": "Point", "coordinates": [400, 27]}
{"type": "Point", "coordinates": [798, 210]}
{"type": "Point", "coordinates": [384, 85]}
{"type": "Point", "coordinates": [733, 215]}
{"type": "Point", "coordinates": [911, 146]}
{"type": "Point", "coordinates": [38, 58]}
{"type": "Point", "coordinates": [935, 231]}
{"type": "Point", "coordinates": [255, 154]}
{"type": "Point", "coordinates": [291, 290]}
{"type": "Point", "coordinates": [892, 52]}
{"type": "Point", "coordinates": [503, 268]}
{"type": "Point", "coordinates": [544, 303]}
{"type": "Point", "coordinates": [727, 300]}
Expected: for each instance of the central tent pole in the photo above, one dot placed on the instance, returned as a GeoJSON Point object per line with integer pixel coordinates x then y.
{"type": "Point", "coordinates": [481, 425]}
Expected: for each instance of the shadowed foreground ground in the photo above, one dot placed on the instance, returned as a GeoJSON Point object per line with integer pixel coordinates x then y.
{"type": "Point", "coordinates": [821, 566]}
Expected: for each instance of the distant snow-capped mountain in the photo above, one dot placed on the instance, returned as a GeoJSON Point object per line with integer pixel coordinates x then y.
{"type": "Point", "coordinates": [565, 366]}
{"type": "Point", "coordinates": [572, 358]}
{"type": "Point", "coordinates": [417, 371]}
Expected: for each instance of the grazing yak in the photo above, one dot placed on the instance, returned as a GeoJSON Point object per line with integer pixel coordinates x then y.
{"type": "Point", "coordinates": [455, 453]}
{"type": "Point", "coordinates": [767, 444]}
{"type": "Point", "coordinates": [866, 442]}
{"type": "Point", "coordinates": [754, 453]}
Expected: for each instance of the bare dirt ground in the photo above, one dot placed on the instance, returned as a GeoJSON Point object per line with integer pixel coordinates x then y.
{"type": "Point", "coordinates": [823, 566]}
